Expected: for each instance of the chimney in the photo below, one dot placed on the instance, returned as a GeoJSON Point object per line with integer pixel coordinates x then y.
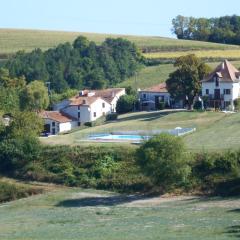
{"type": "Point", "coordinates": [113, 94]}
{"type": "Point", "coordinates": [81, 93]}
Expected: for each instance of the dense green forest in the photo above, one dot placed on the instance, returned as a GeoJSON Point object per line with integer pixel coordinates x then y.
{"type": "Point", "coordinates": [82, 64]}
{"type": "Point", "coordinates": [224, 29]}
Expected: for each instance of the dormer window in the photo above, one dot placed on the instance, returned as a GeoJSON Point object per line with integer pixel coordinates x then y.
{"type": "Point", "coordinates": [84, 101]}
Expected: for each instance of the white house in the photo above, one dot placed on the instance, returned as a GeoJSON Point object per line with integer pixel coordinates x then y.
{"type": "Point", "coordinates": [150, 97]}
{"type": "Point", "coordinates": [56, 122]}
{"type": "Point", "coordinates": [89, 105]}
{"type": "Point", "coordinates": [87, 108]}
{"type": "Point", "coordinates": [222, 86]}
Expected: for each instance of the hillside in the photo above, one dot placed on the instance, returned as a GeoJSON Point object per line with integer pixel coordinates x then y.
{"type": "Point", "coordinates": [149, 76]}
{"type": "Point", "coordinates": [12, 40]}
{"type": "Point", "coordinates": [74, 213]}
{"type": "Point", "coordinates": [212, 128]}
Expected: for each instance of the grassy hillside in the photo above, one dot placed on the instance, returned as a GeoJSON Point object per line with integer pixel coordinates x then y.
{"type": "Point", "coordinates": [12, 40]}
{"type": "Point", "coordinates": [215, 130]}
{"type": "Point", "coordinates": [149, 76]}
{"type": "Point", "coordinates": [74, 213]}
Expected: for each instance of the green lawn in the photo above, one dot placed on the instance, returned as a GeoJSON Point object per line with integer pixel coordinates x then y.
{"type": "Point", "coordinates": [215, 130]}
{"type": "Point", "coordinates": [149, 76]}
{"type": "Point", "coordinates": [12, 40]}
{"type": "Point", "coordinates": [74, 213]}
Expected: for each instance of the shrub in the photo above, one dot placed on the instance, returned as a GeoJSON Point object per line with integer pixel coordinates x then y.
{"type": "Point", "coordinates": [126, 103]}
{"type": "Point", "coordinates": [197, 105]}
{"type": "Point", "coordinates": [111, 117]}
{"type": "Point", "coordinates": [163, 159]}
{"type": "Point", "coordinates": [160, 105]}
{"type": "Point", "coordinates": [237, 104]}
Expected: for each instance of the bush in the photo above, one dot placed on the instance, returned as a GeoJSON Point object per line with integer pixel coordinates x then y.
{"type": "Point", "coordinates": [197, 105]}
{"type": "Point", "coordinates": [111, 117]}
{"type": "Point", "coordinates": [126, 103]}
{"type": "Point", "coordinates": [163, 159]}
{"type": "Point", "coordinates": [10, 191]}
{"type": "Point", "coordinates": [237, 104]}
{"type": "Point", "coordinates": [160, 105]}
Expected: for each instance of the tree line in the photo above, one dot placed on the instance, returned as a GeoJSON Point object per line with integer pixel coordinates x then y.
{"type": "Point", "coordinates": [82, 64]}
{"type": "Point", "coordinates": [225, 29]}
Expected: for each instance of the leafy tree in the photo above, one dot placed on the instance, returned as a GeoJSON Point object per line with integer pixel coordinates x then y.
{"type": "Point", "coordinates": [82, 64]}
{"type": "Point", "coordinates": [163, 159]}
{"type": "Point", "coordinates": [224, 29]}
{"type": "Point", "coordinates": [126, 103]}
{"type": "Point", "coordinates": [184, 82]}
{"type": "Point", "coordinates": [23, 123]}
{"type": "Point", "coordinates": [35, 96]}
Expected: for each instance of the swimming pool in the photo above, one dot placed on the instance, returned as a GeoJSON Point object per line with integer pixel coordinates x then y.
{"type": "Point", "coordinates": [118, 137]}
{"type": "Point", "coordinates": [137, 136]}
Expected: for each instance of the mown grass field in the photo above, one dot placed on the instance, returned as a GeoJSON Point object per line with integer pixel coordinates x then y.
{"type": "Point", "coordinates": [215, 130]}
{"type": "Point", "coordinates": [12, 40]}
{"type": "Point", "coordinates": [230, 54]}
{"type": "Point", "coordinates": [74, 213]}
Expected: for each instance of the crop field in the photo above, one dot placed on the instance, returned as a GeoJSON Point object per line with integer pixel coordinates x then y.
{"type": "Point", "coordinates": [12, 40]}
{"type": "Point", "coordinates": [74, 213]}
{"type": "Point", "coordinates": [220, 54]}
{"type": "Point", "coordinates": [215, 130]}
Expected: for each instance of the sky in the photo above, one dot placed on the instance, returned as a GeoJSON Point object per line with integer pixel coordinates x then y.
{"type": "Point", "coordinates": [134, 17]}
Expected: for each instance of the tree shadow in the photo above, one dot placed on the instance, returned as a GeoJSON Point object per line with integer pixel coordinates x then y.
{"type": "Point", "coordinates": [148, 116]}
{"type": "Point", "coordinates": [233, 231]}
{"type": "Point", "coordinates": [100, 201]}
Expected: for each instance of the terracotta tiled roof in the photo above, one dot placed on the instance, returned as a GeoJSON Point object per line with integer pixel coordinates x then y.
{"type": "Point", "coordinates": [157, 88]}
{"type": "Point", "coordinates": [81, 100]}
{"type": "Point", "coordinates": [56, 116]}
{"type": "Point", "coordinates": [107, 94]}
{"type": "Point", "coordinates": [226, 73]}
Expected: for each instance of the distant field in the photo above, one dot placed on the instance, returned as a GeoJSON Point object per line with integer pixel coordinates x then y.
{"type": "Point", "coordinates": [149, 76]}
{"type": "Point", "coordinates": [82, 214]}
{"type": "Point", "coordinates": [215, 130]}
{"type": "Point", "coordinates": [230, 54]}
{"type": "Point", "coordinates": [12, 40]}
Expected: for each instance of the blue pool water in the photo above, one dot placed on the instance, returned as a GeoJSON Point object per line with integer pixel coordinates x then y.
{"type": "Point", "coordinates": [118, 137]}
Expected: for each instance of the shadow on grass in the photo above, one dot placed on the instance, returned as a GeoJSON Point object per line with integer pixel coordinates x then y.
{"type": "Point", "coordinates": [100, 201]}
{"type": "Point", "coordinates": [149, 116]}
{"type": "Point", "coordinates": [233, 231]}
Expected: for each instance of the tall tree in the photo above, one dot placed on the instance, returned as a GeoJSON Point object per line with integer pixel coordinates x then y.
{"type": "Point", "coordinates": [35, 96]}
{"type": "Point", "coordinates": [184, 83]}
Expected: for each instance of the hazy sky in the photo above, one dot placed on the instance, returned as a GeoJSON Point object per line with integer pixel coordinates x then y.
{"type": "Point", "coordinates": [141, 17]}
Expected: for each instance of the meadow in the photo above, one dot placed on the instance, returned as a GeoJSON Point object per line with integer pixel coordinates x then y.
{"type": "Point", "coordinates": [74, 213]}
{"type": "Point", "coordinates": [12, 40]}
{"type": "Point", "coordinates": [215, 130]}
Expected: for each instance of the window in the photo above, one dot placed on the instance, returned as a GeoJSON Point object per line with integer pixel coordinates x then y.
{"type": "Point", "coordinates": [79, 123]}
{"type": "Point", "coordinates": [207, 91]}
{"type": "Point", "coordinates": [78, 107]}
{"type": "Point", "coordinates": [227, 91]}
{"type": "Point", "coordinates": [144, 95]}
{"type": "Point", "coordinates": [53, 124]}
{"type": "Point", "coordinates": [84, 101]}
{"type": "Point", "coordinates": [94, 114]}
{"type": "Point", "coordinates": [79, 115]}
{"type": "Point", "coordinates": [103, 105]}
